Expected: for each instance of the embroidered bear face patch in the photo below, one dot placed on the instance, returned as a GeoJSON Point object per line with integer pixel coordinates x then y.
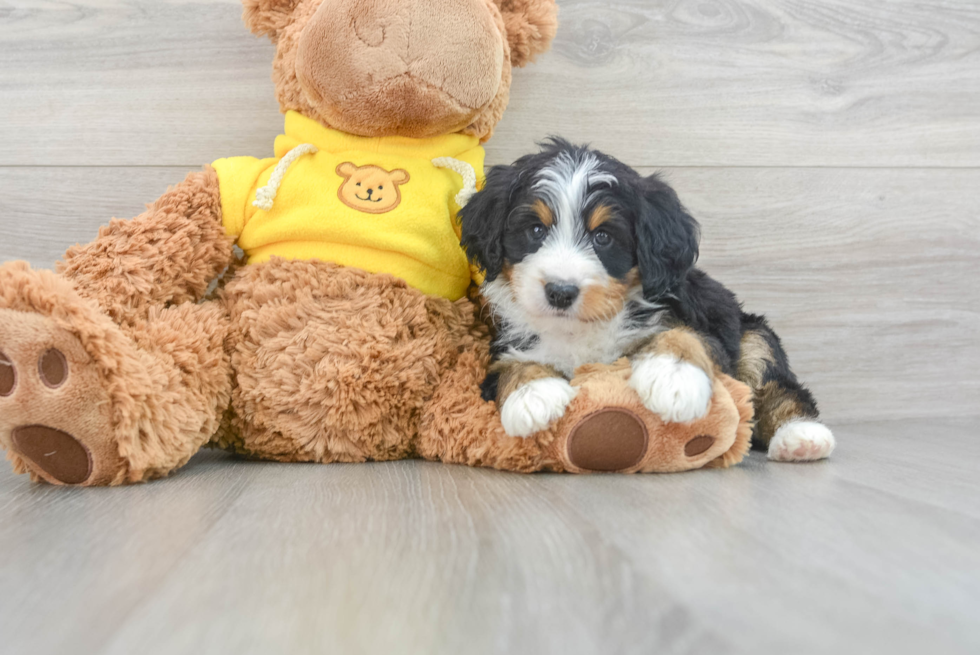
{"type": "Point", "coordinates": [371, 189]}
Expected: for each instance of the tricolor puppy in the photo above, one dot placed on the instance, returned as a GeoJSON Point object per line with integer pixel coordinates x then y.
{"type": "Point", "coordinates": [587, 262]}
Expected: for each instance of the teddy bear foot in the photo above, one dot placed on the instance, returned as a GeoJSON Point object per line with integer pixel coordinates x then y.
{"type": "Point", "coordinates": [608, 440]}
{"type": "Point", "coordinates": [618, 440]}
{"type": "Point", "coordinates": [84, 401]}
{"type": "Point", "coordinates": [54, 410]}
{"type": "Point", "coordinates": [607, 428]}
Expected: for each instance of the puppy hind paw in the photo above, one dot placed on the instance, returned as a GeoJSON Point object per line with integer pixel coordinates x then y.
{"type": "Point", "coordinates": [676, 390]}
{"type": "Point", "coordinates": [535, 406]}
{"type": "Point", "coordinates": [801, 441]}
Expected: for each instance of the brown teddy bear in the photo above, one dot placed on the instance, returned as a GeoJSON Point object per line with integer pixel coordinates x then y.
{"type": "Point", "coordinates": [348, 335]}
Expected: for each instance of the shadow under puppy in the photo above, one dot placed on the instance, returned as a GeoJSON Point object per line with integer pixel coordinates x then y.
{"type": "Point", "coordinates": [586, 262]}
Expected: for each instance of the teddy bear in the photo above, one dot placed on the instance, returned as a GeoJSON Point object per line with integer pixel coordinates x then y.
{"type": "Point", "coordinates": [343, 329]}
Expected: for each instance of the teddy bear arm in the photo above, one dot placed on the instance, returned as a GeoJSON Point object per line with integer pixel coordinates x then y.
{"type": "Point", "coordinates": [169, 254]}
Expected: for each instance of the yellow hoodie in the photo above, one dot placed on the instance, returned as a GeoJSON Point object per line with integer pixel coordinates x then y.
{"type": "Point", "coordinates": [378, 204]}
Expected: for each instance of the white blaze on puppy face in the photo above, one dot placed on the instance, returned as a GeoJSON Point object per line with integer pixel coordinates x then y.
{"type": "Point", "coordinates": [566, 255]}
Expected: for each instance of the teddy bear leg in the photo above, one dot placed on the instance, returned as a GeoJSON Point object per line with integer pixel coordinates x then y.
{"type": "Point", "coordinates": [460, 427]}
{"type": "Point", "coordinates": [608, 428]}
{"type": "Point", "coordinates": [665, 410]}
{"type": "Point", "coordinates": [84, 401]}
{"type": "Point", "coordinates": [167, 255]}
{"type": "Point", "coordinates": [332, 363]}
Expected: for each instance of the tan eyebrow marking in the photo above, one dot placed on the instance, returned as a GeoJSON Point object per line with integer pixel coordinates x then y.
{"type": "Point", "coordinates": [543, 212]}
{"type": "Point", "coordinates": [600, 215]}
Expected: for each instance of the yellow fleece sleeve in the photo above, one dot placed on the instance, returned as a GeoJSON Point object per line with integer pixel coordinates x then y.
{"type": "Point", "coordinates": [238, 180]}
{"type": "Point", "coordinates": [474, 158]}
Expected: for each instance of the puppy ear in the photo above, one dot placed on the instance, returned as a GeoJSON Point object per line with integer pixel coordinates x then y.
{"type": "Point", "coordinates": [347, 169]}
{"type": "Point", "coordinates": [667, 239]}
{"type": "Point", "coordinates": [484, 219]}
{"type": "Point", "coordinates": [268, 17]}
{"type": "Point", "coordinates": [531, 26]}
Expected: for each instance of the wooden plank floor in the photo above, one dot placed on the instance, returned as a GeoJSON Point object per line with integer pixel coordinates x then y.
{"type": "Point", "coordinates": [831, 150]}
{"type": "Point", "coordinates": [875, 551]}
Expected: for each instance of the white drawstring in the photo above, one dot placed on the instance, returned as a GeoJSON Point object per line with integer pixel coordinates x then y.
{"type": "Point", "coordinates": [265, 196]}
{"type": "Point", "coordinates": [466, 171]}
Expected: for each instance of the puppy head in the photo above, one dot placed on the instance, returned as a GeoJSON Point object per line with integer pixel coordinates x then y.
{"type": "Point", "coordinates": [573, 234]}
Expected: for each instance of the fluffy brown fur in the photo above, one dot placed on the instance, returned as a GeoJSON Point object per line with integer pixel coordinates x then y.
{"type": "Point", "coordinates": [333, 363]}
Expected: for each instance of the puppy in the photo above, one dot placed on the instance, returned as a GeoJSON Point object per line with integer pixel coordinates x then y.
{"type": "Point", "coordinates": [587, 262]}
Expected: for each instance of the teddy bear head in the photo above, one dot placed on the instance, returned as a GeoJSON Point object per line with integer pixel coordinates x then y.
{"type": "Point", "coordinates": [415, 68]}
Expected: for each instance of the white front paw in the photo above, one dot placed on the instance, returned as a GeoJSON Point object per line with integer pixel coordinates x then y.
{"type": "Point", "coordinates": [676, 390]}
{"type": "Point", "coordinates": [801, 441]}
{"type": "Point", "coordinates": [535, 405]}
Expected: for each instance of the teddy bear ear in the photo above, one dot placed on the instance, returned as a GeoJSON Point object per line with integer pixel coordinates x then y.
{"type": "Point", "coordinates": [531, 26]}
{"type": "Point", "coordinates": [268, 17]}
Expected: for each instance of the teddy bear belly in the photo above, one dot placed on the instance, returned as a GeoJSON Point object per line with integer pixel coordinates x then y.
{"type": "Point", "coordinates": [333, 363]}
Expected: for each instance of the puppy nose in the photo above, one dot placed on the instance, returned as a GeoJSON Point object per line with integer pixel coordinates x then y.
{"type": "Point", "coordinates": [560, 295]}
{"type": "Point", "coordinates": [370, 191]}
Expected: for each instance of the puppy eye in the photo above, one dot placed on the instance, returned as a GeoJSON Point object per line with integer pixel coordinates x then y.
{"type": "Point", "coordinates": [537, 232]}
{"type": "Point", "coordinates": [380, 188]}
{"type": "Point", "coordinates": [358, 184]}
{"type": "Point", "coordinates": [601, 238]}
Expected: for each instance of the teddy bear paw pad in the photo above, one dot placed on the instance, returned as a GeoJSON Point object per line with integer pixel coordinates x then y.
{"type": "Point", "coordinates": [608, 440]}
{"type": "Point", "coordinates": [55, 452]}
{"type": "Point", "coordinates": [53, 407]}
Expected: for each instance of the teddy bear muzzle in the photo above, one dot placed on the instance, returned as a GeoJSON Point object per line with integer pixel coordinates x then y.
{"type": "Point", "coordinates": [408, 68]}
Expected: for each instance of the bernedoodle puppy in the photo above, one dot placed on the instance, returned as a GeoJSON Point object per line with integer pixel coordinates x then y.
{"type": "Point", "coordinates": [586, 261]}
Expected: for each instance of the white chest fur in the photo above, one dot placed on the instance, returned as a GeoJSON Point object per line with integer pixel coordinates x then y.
{"type": "Point", "coordinates": [563, 343]}
{"type": "Point", "coordinates": [566, 345]}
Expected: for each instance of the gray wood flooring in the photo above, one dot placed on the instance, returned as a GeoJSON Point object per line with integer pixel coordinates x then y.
{"type": "Point", "coordinates": [831, 150]}
{"type": "Point", "coordinates": [872, 552]}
